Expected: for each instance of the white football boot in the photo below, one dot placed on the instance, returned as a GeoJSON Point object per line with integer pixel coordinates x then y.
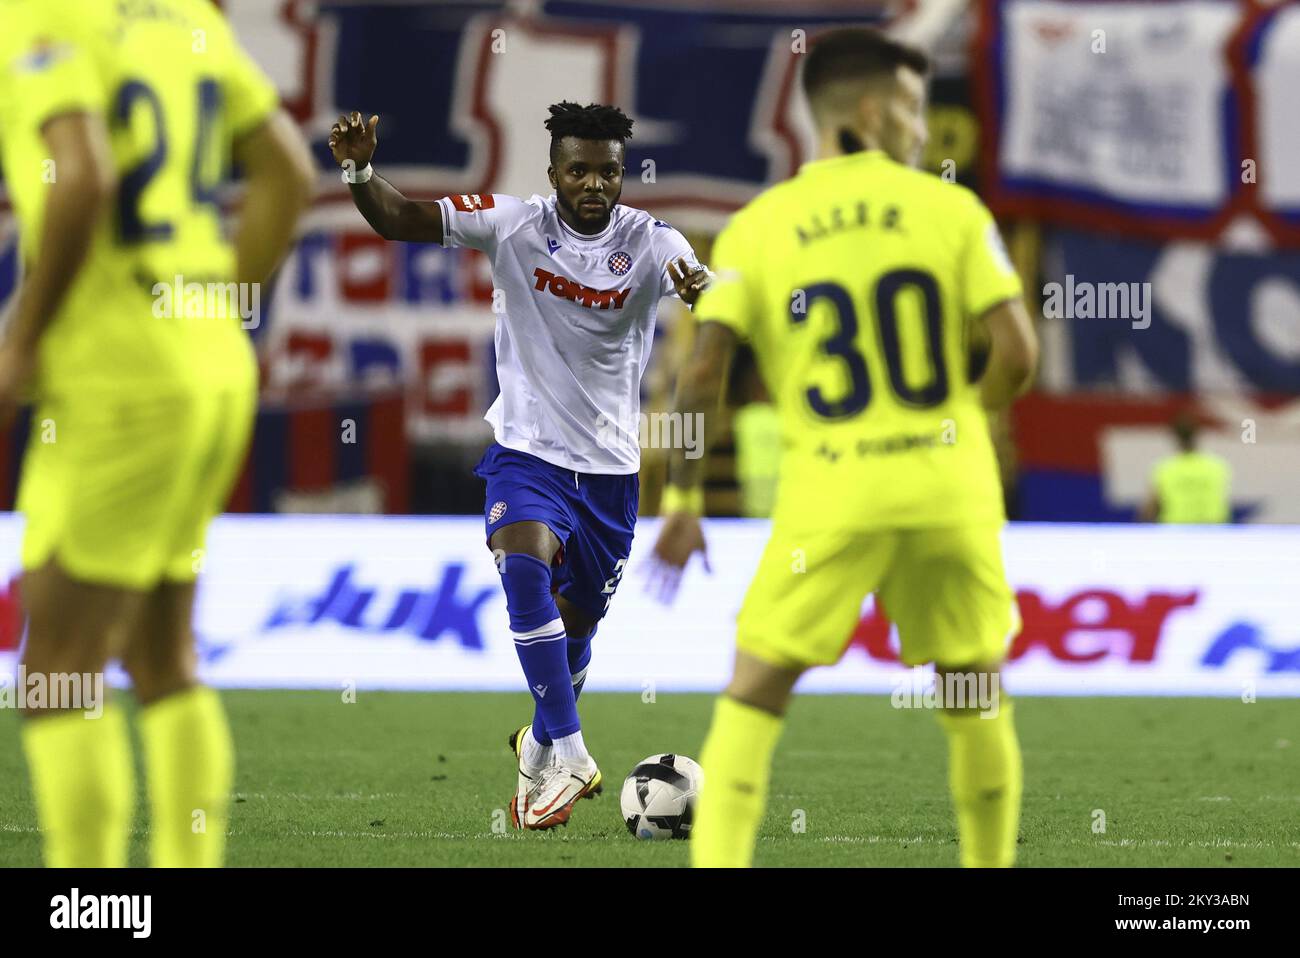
{"type": "Point", "coordinates": [557, 791]}
{"type": "Point", "coordinates": [528, 775]}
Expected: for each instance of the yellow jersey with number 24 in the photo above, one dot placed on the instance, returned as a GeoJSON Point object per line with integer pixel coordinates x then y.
{"type": "Point", "coordinates": [175, 90]}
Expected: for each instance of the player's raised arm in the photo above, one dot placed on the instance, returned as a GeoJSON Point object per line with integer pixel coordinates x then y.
{"type": "Point", "coordinates": [280, 174]}
{"type": "Point", "coordinates": [78, 146]}
{"type": "Point", "coordinates": [1013, 356]}
{"type": "Point", "coordinates": [389, 213]}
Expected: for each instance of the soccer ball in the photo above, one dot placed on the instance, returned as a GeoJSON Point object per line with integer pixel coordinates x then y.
{"type": "Point", "coordinates": [658, 798]}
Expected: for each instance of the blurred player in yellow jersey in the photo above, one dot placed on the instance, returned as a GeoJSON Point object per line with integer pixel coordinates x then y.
{"type": "Point", "coordinates": [858, 283]}
{"type": "Point", "coordinates": [118, 122]}
{"type": "Point", "coordinates": [1190, 486]}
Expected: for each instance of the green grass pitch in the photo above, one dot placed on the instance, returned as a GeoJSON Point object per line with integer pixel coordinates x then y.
{"type": "Point", "coordinates": [423, 779]}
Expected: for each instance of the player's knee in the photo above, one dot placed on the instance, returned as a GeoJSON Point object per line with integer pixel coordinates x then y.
{"type": "Point", "coordinates": [157, 672]}
{"type": "Point", "coordinates": [524, 538]}
{"type": "Point", "coordinates": [149, 687]}
{"type": "Point", "coordinates": [968, 688]}
{"type": "Point", "coordinates": [761, 685]}
{"type": "Point", "coordinates": [526, 580]}
{"type": "Point", "coordinates": [765, 699]}
{"type": "Point", "coordinates": [579, 625]}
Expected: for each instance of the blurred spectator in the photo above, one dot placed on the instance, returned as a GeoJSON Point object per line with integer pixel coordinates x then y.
{"type": "Point", "coordinates": [1190, 486]}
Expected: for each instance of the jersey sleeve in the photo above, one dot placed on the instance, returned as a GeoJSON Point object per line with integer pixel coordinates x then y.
{"type": "Point", "coordinates": [47, 70]}
{"type": "Point", "coordinates": [250, 97]}
{"type": "Point", "coordinates": [480, 220]}
{"type": "Point", "coordinates": [672, 246]}
{"type": "Point", "coordinates": [732, 298]}
{"type": "Point", "coordinates": [988, 276]}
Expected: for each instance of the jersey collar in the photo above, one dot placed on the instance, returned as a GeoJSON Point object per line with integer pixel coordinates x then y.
{"type": "Point", "coordinates": [845, 159]}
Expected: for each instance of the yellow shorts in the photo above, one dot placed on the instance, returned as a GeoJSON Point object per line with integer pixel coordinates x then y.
{"type": "Point", "coordinates": [944, 588]}
{"type": "Point", "coordinates": [120, 491]}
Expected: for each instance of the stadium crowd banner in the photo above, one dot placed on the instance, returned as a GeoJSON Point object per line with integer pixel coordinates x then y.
{"type": "Point", "coordinates": [403, 603]}
{"type": "Point", "coordinates": [1184, 316]}
{"type": "Point", "coordinates": [353, 310]}
{"type": "Point", "coordinates": [1090, 458]}
{"type": "Point", "coordinates": [1135, 331]}
{"type": "Point", "coordinates": [462, 89]}
{"type": "Point", "coordinates": [1170, 120]}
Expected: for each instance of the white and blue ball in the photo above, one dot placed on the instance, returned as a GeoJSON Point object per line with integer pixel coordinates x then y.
{"type": "Point", "coordinates": [659, 795]}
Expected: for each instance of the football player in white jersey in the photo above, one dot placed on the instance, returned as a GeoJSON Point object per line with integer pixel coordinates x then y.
{"type": "Point", "coordinates": [581, 278]}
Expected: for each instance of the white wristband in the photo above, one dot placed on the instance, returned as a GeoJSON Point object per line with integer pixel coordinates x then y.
{"type": "Point", "coordinates": [360, 176]}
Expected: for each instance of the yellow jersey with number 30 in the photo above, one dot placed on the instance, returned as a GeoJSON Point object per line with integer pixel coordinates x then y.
{"type": "Point", "coordinates": [174, 90]}
{"type": "Point", "coordinates": [855, 282]}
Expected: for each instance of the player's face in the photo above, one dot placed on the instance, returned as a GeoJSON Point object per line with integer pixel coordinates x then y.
{"type": "Point", "coordinates": [903, 132]}
{"type": "Point", "coordinates": [588, 180]}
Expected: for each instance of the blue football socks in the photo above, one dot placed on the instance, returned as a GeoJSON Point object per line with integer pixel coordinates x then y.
{"type": "Point", "coordinates": [541, 644]}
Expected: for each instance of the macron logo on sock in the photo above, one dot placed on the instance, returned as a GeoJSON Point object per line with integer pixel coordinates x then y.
{"type": "Point", "coordinates": [541, 690]}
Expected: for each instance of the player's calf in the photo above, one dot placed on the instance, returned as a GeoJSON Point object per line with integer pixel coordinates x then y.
{"type": "Point", "coordinates": [984, 764]}
{"type": "Point", "coordinates": [82, 774]}
{"type": "Point", "coordinates": [737, 762]}
{"type": "Point", "coordinates": [188, 750]}
{"type": "Point", "coordinates": [541, 643]}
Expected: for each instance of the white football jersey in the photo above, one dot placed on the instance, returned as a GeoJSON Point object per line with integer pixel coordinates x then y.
{"type": "Point", "coordinates": [576, 319]}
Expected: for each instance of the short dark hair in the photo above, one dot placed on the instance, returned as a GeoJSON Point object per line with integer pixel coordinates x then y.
{"type": "Point", "coordinates": [595, 121]}
{"type": "Point", "coordinates": [856, 53]}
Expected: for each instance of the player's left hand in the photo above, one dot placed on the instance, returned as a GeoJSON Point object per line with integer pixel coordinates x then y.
{"type": "Point", "coordinates": [689, 282]}
{"type": "Point", "coordinates": [17, 366]}
{"type": "Point", "coordinates": [680, 537]}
